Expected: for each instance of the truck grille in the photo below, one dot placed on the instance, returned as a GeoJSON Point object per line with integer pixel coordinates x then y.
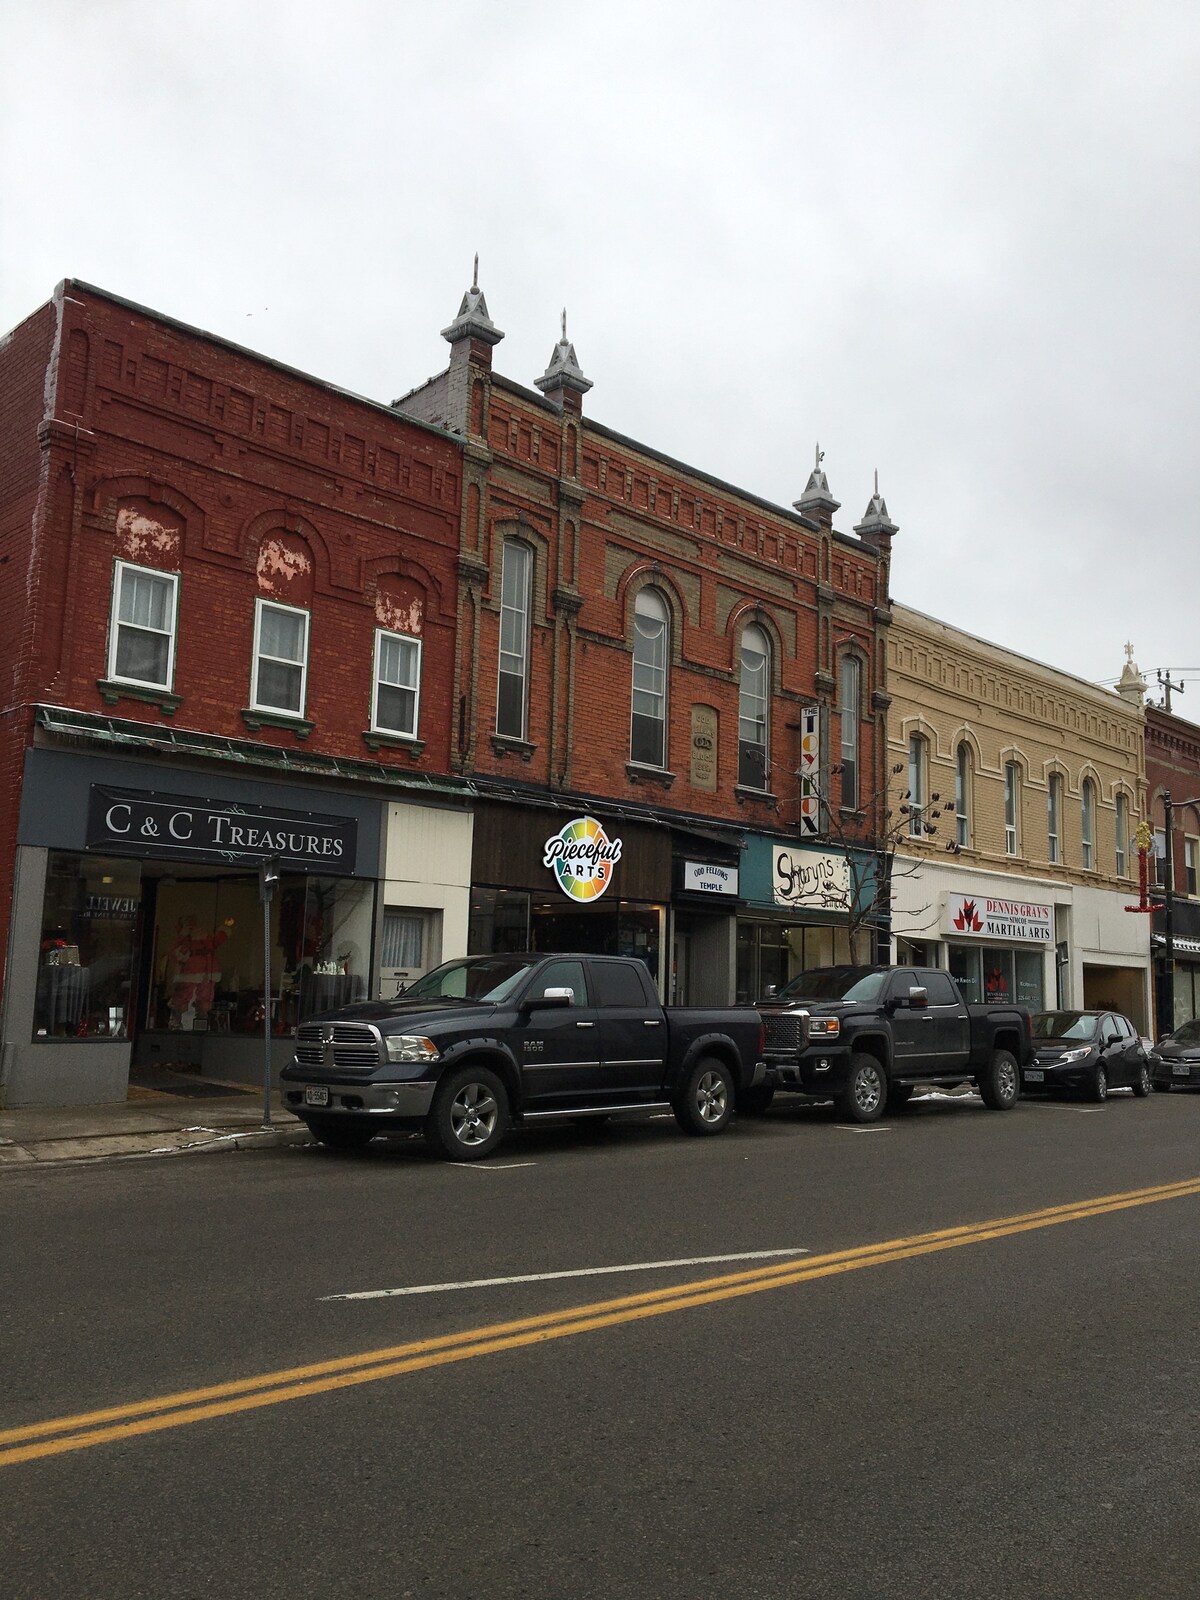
{"type": "Point", "coordinates": [350, 1046]}
{"type": "Point", "coordinates": [785, 1031]}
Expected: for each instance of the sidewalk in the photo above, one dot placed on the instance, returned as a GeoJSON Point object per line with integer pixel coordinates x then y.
{"type": "Point", "coordinates": [154, 1125]}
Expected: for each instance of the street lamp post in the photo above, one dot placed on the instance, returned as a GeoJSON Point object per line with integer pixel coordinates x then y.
{"type": "Point", "coordinates": [268, 877]}
{"type": "Point", "coordinates": [1169, 808]}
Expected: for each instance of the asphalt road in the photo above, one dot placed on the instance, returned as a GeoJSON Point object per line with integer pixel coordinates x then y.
{"type": "Point", "coordinates": [1002, 1412]}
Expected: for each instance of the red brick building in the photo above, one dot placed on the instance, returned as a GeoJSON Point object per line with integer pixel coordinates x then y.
{"type": "Point", "coordinates": [639, 644]}
{"type": "Point", "coordinates": [230, 595]}
{"type": "Point", "coordinates": [1173, 768]}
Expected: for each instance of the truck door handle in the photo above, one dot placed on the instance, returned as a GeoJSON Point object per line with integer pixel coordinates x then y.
{"type": "Point", "coordinates": [585, 1024]}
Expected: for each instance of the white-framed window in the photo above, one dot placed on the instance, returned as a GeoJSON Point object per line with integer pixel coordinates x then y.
{"type": "Point", "coordinates": [850, 710]}
{"type": "Point", "coordinates": [1122, 834]}
{"type": "Point", "coordinates": [141, 637]}
{"type": "Point", "coordinates": [1191, 866]}
{"type": "Point", "coordinates": [512, 685]}
{"type": "Point", "coordinates": [1160, 858]}
{"type": "Point", "coordinates": [651, 651]}
{"type": "Point", "coordinates": [917, 764]}
{"type": "Point", "coordinates": [753, 704]}
{"type": "Point", "coordinates": [962, 794]}
{"type": "Point", "coordinates": [1087, 817]}
{"type": "Point", "coordinates": [1012, 808]}
{"type": "Point", "coordinates": [396, 696]}
{"type": "Point", "coordinates": [279, 679]}
{"type": "Point", "coordinates": [1054, 817]}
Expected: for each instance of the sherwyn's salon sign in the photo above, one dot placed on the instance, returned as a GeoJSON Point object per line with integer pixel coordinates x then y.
{"type": "Point", "coordinates": [984, 916]}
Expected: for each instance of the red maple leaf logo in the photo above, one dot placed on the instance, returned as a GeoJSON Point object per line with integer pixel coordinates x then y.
{"type": "Point", "coordinates": [967, 921]}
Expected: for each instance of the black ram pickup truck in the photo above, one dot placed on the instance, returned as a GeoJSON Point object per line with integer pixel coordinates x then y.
{"type": "Point", "coordinates": [866, 1036]}
{"type": "Point", "coordinates": [480, 1044]}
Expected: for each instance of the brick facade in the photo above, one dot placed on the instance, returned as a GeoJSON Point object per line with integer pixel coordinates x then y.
{"type": "Point", "coordinates": [606, 517]}
{"type": "Point", "coordinates": [1173, 767]}
{"type": "Point", "coordinates": [131, 437]}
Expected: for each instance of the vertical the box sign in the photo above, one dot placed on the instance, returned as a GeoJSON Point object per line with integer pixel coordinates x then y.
{"type": "Point", "coordinates": [810, 770]}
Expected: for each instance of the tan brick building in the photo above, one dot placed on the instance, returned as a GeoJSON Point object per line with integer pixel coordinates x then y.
{"type": "Point", "coordinates": [1023, 787]}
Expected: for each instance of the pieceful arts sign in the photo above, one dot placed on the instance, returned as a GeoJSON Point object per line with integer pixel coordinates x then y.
{"type": "Point", "coordinates": [582, 857]}
{"type": "Point", "coordinates": [125, 822]}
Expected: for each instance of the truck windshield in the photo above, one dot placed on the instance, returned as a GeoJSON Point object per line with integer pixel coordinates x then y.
{"type": "Point", "coordinates": [834, 983]}
{"type": "Point", "coordinates": [481, 978]}
{"type": "Point", "coordinates": [1064, 1025]}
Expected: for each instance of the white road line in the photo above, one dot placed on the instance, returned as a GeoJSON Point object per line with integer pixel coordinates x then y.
{"type": "Point", "coordinates": [578, 1272]}
{"type": "Point", "coordinates": [494, 1166]}
{"type": "Point", "coordinates": [863, 1130]}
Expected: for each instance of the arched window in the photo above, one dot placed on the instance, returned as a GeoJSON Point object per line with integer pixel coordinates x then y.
{"type": "Point", "coordinates": [651, 641]}
{"type": "Point", "coordinates": [1054, 817]}
{"type": "Point", "coordinates": [850, 710]}
{"type": "Point", "coordinates": [1012, 808]}
{"type": "Point", "coordinates": [512, 686]}
{"type": "Point", "coordinates": [962, 795]}
{"type": "Point", "coordinates": [1122, 834]}
{"type": "Point", "coordinates": [1087, 817]}
{"type": "Point", "coordinates": [917, 779]}
{"type": "Point", "coordinates": [753, 703]}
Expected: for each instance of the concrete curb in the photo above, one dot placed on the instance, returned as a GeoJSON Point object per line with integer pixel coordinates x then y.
{"type": "Point", "coordinates": [159, 1142]}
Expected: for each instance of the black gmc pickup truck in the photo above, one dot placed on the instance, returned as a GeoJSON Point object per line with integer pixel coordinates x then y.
{"type": "Point", "coordinates": [480, 1044]}
{"type": "Point", "coordinates": [866, 1036]}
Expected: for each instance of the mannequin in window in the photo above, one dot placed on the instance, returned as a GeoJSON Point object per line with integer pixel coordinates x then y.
{"type": "Point", "coordinates": [192, 963]}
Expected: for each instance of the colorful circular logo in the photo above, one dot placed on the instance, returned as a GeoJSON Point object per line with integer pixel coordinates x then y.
{"type": "Point", "coordinates": [582, 856]}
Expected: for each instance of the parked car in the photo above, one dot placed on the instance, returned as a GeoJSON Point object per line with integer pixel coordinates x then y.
{"type": "Point", "coordinates": [865, 1037]}
{"type": "Point", "coordinates": [478, 1045]}
{"type": "Point", "coordinates": [1175, 1060]}
{"type": "Point", "coordinates": [1087, 1052]}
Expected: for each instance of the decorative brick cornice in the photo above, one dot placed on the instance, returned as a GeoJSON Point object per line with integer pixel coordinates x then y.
{"type": "Point", "coordinates": [375, 740]}
{"type": "Point", "coordinates": [636, 773]}
{"type": "Point", "coordinates": [113, 693]}
{"type": "Point", "coordinates": [255, 720]}
{"type": "Point", "coordinates": [504, 748]}
{"type": "Point", "coordinates": [567, 601]}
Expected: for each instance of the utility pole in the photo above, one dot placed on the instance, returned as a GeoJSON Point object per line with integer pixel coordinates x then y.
{"type": "Point", "coordinates": [1166, 686]}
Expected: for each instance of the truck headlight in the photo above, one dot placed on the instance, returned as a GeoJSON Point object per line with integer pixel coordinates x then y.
{"type": "Point", "coordinates": [824, 1027]}
{"type": "Point", "coordinates": [409, 1047]}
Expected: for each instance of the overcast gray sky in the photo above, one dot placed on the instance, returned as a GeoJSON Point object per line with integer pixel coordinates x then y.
{"type": "Point", "coordinates": [959, 242]}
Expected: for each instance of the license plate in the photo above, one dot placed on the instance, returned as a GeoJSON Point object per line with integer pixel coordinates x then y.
{"type": "Point", "coordinates": [1181, 1070]}
{"type": "Point", "coordinates": [1034, 1075]}
{"type": "Point", "coordinates": [316, 1097]}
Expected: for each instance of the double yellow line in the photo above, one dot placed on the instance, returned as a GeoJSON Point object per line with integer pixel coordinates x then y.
{"type": "Point", "coordinates": [65, 1434]}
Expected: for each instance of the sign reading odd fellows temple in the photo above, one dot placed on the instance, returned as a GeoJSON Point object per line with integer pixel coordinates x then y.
{"type": "Point", "coordinates": [130, 823]}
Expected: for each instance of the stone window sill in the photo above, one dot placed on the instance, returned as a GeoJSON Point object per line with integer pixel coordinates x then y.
{"type": "Point", "coordinates": [375, 739]}
{"type": "Point", "coordinates": [637, 773]}
{"type": "Point", "coordinates": [503, 746]}
{"type": "Point", "coordinates": [762, 797]}
{"type": "Point", "coordinates": [255, 720]}
{"type": "Point", "coordinates": [112, 692]}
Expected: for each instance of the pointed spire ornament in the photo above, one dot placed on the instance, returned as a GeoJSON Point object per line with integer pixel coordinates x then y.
{"type": "Point", "coordinates": [472, 321]}
{"type": "Point", "coordinates": [563, 375]}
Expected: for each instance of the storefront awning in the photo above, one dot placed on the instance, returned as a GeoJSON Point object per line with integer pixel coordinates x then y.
{"type": "Point", "coordinates": [1184, 947]}
{"type": "Point", "coordinates": [84, 727]}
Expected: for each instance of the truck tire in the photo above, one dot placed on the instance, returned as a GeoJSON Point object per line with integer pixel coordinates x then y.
{"type": "Point", "coordinates": [339, 1135]}
{"type": "Point", "coordinates": [705, 1103]}
{"type": "Point", "coordinates": [752, 1102]}
{"type": "Point", "coordinates": [898, 1095]}
{"type": "Point", "coordinates": [866, 1091]}
{"type": "Point", "coordinates": [469, 1115]}
{"type": "Point", "coordinates": [1000, 1082]}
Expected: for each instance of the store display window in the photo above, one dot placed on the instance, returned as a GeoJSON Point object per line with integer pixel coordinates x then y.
{"type": "Point", "coordinates": [993, 975]}
{"type": "Point", "coordinates": [88, 948]}
{"type": "Point", "coordinates": [205, 963]}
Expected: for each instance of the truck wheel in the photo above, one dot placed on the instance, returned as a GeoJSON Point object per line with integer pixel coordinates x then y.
{"type": "Point", "coordinates": [1141, 1086]}
{"type": "Point", "coordinates": [754, 1101]}
{"type": "Point", "coordinates": [340, 1135]}
{"type": "Point", "coordinates": [705, 1104]}
{"type": "Point", "coordinates": [1000, 1084]}
{"type": "Point", "coordinates": [866, 1090]}
{"type": "Point", "coordinates": [469, 1115]}
{"type": "Point", "coordinates": [898, 1095]}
